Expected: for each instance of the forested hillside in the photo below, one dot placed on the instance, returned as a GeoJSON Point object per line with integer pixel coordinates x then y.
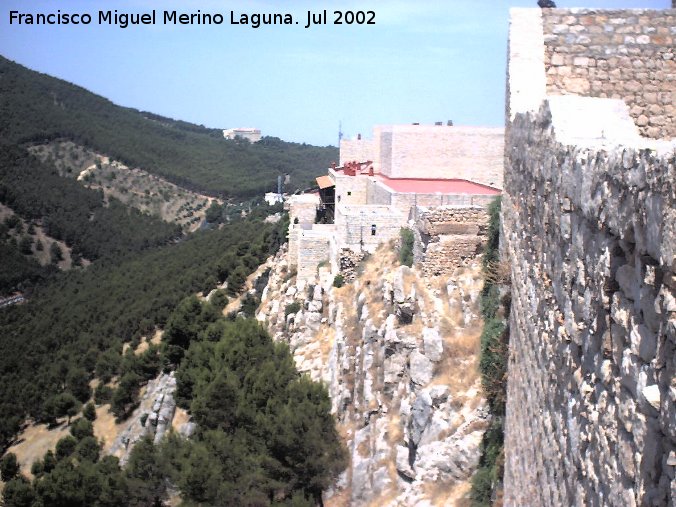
{"type": "Point", "coordinates": [76, 324]}
{"type": "Point", "coordinates": [75, 214]}
{"type": "Point", "coordinates": [36, 108]}
{"type": "Point", "coordinates": [266, 435]}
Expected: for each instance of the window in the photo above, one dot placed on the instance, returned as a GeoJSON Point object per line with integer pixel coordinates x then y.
{"type": "Point", "coordinates": [373, 229]}
{"type": "Point", "coordinates": [349, 193]}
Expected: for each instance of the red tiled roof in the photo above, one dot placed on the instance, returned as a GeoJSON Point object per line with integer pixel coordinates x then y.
{"type": "Point", "coordinates": [429, 186]}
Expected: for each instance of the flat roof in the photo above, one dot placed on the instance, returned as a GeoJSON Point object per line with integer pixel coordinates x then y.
{"type": "Point", "coordinates": [438, 186]}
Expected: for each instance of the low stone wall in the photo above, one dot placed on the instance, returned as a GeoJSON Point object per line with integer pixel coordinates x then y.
{"type": "Point", "coordinates": [590, 229]}
{"type": "Point", "coordinates": [303, 208]}
{"type": "Point", "coordinates": [354, 226]}
{"type": "Point", "coordinates": [624, 54]}
{"type": "Point", "coordinates": [313, 248]}
{"type": "Point", "coordinates": [447, 237]}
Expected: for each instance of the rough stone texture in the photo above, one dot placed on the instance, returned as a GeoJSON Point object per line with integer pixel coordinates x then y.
{"type": "Point", "coordinates": [314, 247]}
{"type": "Point", "coordinates": [447, 237]}
{"type": "Point", "coordinates": [355, 226]}
{"type": "Point", "coordinates": [157, 405]}
{"type": "Point", "coordinates": [405, 429]}
{"type": "Point", "coordinates": [590, 229]}
{"type": "Point", "coordinates": [623, 54]}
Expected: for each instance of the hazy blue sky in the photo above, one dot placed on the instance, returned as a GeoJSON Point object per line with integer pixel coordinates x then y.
{"type": "Point", "coordinates": [423, 61]}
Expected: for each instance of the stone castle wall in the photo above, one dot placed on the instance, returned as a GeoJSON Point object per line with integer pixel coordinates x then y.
{"type": "Point", "coordinates": [623, 54]}
{"type": "Point", "coordinates": [351, 189]}
{"type": "Point", "coordinates": [590, 231]}
{"type": "Point", "coordinates": [354, 226]}
{"type": "Point", "coordinates": [447, 237]}
{"type": "Point", "coordinates": [314, 247]}
{"type": "Point", "coordinates": [418, 151]}
{"type": "Point", "coordinates": [356, 150]}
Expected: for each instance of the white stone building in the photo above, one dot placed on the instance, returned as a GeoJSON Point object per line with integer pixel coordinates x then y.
{"type": "Point", "coordinates": [252, 134]}
{"type": "Point", "coordinates": [382, 182]}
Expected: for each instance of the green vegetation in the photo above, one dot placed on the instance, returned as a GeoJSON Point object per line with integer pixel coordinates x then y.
{"type": "Point", "coordinates": [338, 281]}
{"type": "Point", "coordinates": [74, 214]}
{"type": "Point", "coordinates": [18, 271]}
{"type": "Point", "coordinates": [37, 108]}
{"type": "Point", "coordinates": [264, 431]}
{"type": "Point", "coordinates": [292, 308]}
{"type": "Point", "coordinates": [406, 248]}
{"type": "Point", "coordinates": [493, 365]}
{"type": "Point", "coordinates": [266, 435]}
{"type": "Point", "coordinates": [79, 320]}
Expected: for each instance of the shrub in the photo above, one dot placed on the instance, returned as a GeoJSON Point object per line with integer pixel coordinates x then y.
{"type": "Point", "coordinates": [406, 248]}
{"type": "Point", "coordinates": [103, 394]}
{"type": "Point", "coordinates": [338, 281]}
{"type": "Point", "coordinates": [292, 308]}
{"type": "Point", "coordinates": [9, 467]}
{"type": "Point", "coordinates": [89, 412]}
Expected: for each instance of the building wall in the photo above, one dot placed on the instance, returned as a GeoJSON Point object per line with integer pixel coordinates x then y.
{"type": "Point", "coordinates": [590, 231]}
{"type": "Point", "coordinates": [378, 194]}
{"type": "Point", "coordinates": [588, 220]}
{"type": "Point", "coordinates": [446, 237]}
{"type": "Point", "coordinates": [303, 208]}
{"type": "Point", "coordinates": [351, 189]}
{"type": "Point", "coordinates": [253, 135]}
{"type": "Point", "coordinates": [406, 202]}
{"type": "Point", "coordinates": [624, 54]}
{"type": "Point", "coordinates": [419, 151]}
{"type": "Point", "coordinates": [353, 226]}
{"type": "Point", "coordinates": [314, 247]}
{"type": "Point", "coordinates": [356, 150]}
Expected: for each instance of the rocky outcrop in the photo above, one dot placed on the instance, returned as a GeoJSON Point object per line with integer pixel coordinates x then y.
{"type": "Point", "coordinates": [398, 357]}
{"type": "Point", "coordinates": [151, 418]}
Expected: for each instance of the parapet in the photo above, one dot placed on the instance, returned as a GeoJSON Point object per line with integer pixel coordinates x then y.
{"type": "Point", "coordinates": [620, 54]}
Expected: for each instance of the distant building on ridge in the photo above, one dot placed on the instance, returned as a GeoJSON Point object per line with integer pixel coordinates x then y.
{"type": "Point", "coordinates": [253, 135]}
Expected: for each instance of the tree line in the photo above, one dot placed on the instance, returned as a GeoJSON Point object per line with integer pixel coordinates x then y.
{"type": "Point", "coordinates": [75, 324]}
{"type": "Point", "coordinates": [265, 435]}
{"type": "Point", "coordinates": [90, 225]}
{"type": "Point", "coordinates": [36, 108]}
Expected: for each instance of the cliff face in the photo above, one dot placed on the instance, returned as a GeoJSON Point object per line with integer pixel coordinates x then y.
{"type": "Point", "coordinates": [398, 353]}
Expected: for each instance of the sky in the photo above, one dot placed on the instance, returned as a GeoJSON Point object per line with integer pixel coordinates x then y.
{"type": "Point", "coordinates": [422, 61]}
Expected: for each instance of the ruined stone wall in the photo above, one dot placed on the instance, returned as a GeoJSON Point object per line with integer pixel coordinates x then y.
{"type": "Point", "coordinates": [623, 54]}
{"type": "Point", "coordinates": [354, 226]}
{"type": "Point", "coordinates": [314, 247]}
{"type": "Point", "coordinates": [405, 202]}
{"type": "Point", "coordinates": [303, 208]}
{"type": "Point", "coordinates": [417, 151]}
{"type": "Point", "coordinates": [447, 237]}
{"type": "Point", "coordinates": [590, 230]}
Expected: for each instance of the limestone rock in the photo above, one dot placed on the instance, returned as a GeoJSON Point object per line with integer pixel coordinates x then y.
{"type": "Point", "coordinates": [652, 395]}
{"type": "Point", "coordinates": [422, 369]}
{"type": "Point", "coordinates": [421, 411]}
{"type": "Point", "coordinates": [433, 344]}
